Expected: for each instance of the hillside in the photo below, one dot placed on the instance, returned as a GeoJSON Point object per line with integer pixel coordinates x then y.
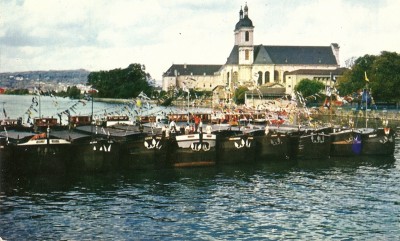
{"type": "Point", "coordinates": [28, 79]}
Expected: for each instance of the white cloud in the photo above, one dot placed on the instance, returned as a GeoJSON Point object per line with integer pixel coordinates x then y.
{"type": "Point", "coordinates": [101, 34]}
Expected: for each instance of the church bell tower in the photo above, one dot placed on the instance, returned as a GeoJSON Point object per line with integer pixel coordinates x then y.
{"type": "Point", "coordinates": [244, 37]}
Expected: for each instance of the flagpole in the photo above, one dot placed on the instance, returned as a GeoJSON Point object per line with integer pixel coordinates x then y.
{"type": "Point", "coordinates": [40, 103]}
{"type": "Point", "coordinates": [330, 98]}
{"type": "Point", "coordinates": [4, 110]}
{"type": "Point", "coordinates": [366, 99]}
{"type": "Point", "coordinates": [91, 121]}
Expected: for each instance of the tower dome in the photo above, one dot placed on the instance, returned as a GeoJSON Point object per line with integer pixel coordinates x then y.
{"type": "Point", "coordinates": [244, 21]}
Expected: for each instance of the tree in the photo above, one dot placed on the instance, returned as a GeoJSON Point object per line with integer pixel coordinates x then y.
{"type": "Point", "coordinates": [382, 71]}
{"type": "Point", "coordinates": [17, 92]}
{"type": "Point", "coordinates": [240, 94]}
{"type": "Point", "coordinates": [354, 79]}
{"type": "Point", "coordinates": [309, 87]}
{"type": "Point", "coordinates": [349, 63]}
{"type": "Point", "coordinates": [385, 74]}
{"type": "Point", "coordinates": [122, 83]}
{"type": "Point", "coordinates": [73, 92]}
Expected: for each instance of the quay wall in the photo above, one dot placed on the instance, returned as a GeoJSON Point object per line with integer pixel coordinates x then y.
{"type": "Point", "coordinates": [358, 118]}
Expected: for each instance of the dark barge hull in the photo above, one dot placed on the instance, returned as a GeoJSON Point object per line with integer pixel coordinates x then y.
{"type": "Point", "coordinates": [44, 158]}
{"type": "Point", "coordinates": [274, 145]}
{"type": "Point", "coordinates": [146, 151]}
{"type": "Point", "coordinates": [233, 146]}
{"type": "Point", "coordinates": [193, 150]}
{"type": "Point", "coordinates": [97, 155]}
{"type": "Point", "coordinates": [96, 150]}
{"type": "Point", "coordinates": [314, 144]}
{"type": "Point", "coordinates": [345, 143]}
{"type": "Point", "coordinates": [379, 141]}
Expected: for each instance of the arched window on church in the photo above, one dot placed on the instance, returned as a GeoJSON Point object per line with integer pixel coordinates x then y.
{"type": "Point", "coordinates": [259, 81]}
{"type": "Point", "coordinates": [266, 76]}
{"type": "Point", "coordinates": [276, 76]}
{"type": "Point", "coordinates": [284, 76]}
{"type": "Point", "coordinates": [247, 36]}
{"type": "Point", "coordinates": [246, 54]}
{"type": "Point", "coordinates": [235, 78]}
{"type": "Point", "coordinates": [227, 77]}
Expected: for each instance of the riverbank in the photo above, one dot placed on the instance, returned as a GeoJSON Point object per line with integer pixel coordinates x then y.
{"type": "Point", "coordinates": [350, 117]}
{"type": "Point", "coordinates": [206, 103]}
{"type": "Point", "coordinates": [120, 101]}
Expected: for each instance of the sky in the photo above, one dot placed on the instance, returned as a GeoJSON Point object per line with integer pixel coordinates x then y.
{"type": "Point", "coordinates": [103, 35]}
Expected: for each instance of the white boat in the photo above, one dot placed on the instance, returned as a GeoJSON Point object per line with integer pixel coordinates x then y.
{"type": "Point", "coordinates": [196, 149]}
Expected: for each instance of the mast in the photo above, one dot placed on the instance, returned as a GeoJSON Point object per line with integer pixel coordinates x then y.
{"type": "Point", "coordinates": [330, 98]}
{"type": "Point", "coordinates": [366, 98]}
{"type": "Point", "coordinates": [366, 105]}
{"type": "Point", "coordinates": [91, 117]}
{"type": "Point", "coordinates": [4, 110]}
{"type": "Point", "coordinates": [40, 103]}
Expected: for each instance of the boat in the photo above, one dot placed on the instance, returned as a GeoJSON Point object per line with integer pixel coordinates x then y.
{"type": "Point", "coordinates": [191, 148]}
{"type": "Point", "coordinates": [377, 141]}
{"type": "Point", "coordinates": [275, 142]}
{"type": "Point", "coordinates": [140, 147]}
{"type": "Point", "coordinates": [10, 123]}
{"type": "Point", "coordinates": [314, 142]}
{"type": "Point", "coordinates": [234, 145]}
{"type": "Point", "coordinates": [5, 152]}
{"type": "Point", "coordinates": [111, 120]}
{"type": "Point", "coordinates": [98, 151]}
{"type": "Point", "coordinates": [363, 140]}
{"type": "Point", "coordinates": [35, 152]}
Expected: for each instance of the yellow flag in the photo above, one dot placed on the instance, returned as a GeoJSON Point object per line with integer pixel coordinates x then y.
{"type": "Point", "coordinates": [366, 78]}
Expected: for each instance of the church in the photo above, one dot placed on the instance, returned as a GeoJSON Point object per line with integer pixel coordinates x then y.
{"type": "Point", "coordinates": [257, 66]}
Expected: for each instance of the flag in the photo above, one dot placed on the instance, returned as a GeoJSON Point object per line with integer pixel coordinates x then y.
{"type": "Point", "coordinates": [4, 111]}
{"type": "Point", "coordinates": [328, 91]}
{"type": "Point", "coordinates": [139, 103]}
{"type": "Point", "coordinates": [366, 78]}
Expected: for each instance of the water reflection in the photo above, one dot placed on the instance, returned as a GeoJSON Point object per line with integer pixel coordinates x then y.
{"type": "Point", "coordinates": [41, 183]}
{"type": "Point", "coordinates": [318, 199]}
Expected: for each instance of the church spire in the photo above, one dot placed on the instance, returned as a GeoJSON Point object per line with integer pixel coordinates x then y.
{"type": "Point", "coordinates": [244, 20]}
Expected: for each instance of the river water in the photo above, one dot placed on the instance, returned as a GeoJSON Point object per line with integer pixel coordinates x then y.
{"type": "Point", "coordinates": [330, 199]}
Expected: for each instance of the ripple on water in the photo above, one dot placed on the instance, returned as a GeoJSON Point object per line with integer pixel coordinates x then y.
{"type": "Point", "coordinates": [339, 199]}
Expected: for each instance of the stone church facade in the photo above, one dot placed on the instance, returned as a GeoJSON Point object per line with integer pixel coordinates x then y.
{"type": "Point", "coordinates": [253, 65]}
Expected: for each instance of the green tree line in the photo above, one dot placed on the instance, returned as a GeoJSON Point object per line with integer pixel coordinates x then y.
{"type": "Point", "coordinates": [121, 83]}
{"type": "Point", "coordinates": [380, 73]}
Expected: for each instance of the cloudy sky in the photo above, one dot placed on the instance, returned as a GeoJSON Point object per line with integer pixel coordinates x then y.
{"type": "Point", "coordinates": [104, 34]}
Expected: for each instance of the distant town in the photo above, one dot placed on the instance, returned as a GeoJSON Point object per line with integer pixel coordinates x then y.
{"type": "Point", "coordinates": [52, 80]}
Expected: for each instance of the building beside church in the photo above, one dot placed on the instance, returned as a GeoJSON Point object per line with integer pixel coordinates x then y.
{"type": "Point", "coordinates": [255, 65]}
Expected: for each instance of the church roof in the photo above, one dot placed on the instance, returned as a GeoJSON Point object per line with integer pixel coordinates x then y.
{"type": "Point", "coordinates": [233, 56]}
{"type": "Point", "coordinates": [191, 69]}
{"type": "Point", "coordinates": [268, 90]}
{"type": "Point", "coordinates": [269, 54]}
{"type": "Point", "coordinates": [338, 71]}
{"type": "Point", "coordinates": [244, 23]}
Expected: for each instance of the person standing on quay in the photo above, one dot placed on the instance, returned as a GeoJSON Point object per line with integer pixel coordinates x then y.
{"type": "Point", "coordinates": [172, 126]}
{"type": "Point", "coordinates": [196, 122]}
